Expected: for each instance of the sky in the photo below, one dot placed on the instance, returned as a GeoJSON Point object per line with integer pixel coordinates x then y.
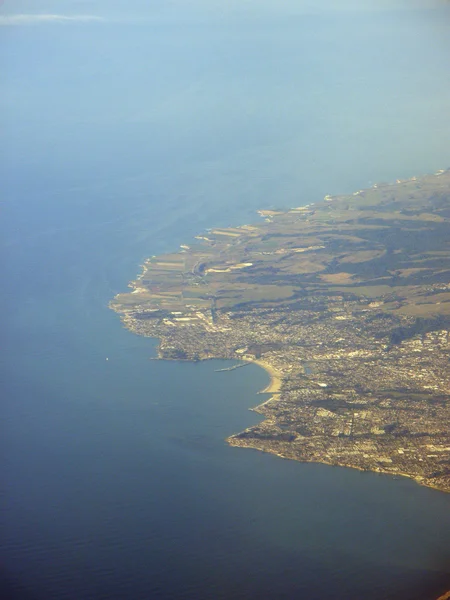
{"type": "Point", "coordinates": [96, 87]}
{"type": "Point", "coordinates": [117, 6]}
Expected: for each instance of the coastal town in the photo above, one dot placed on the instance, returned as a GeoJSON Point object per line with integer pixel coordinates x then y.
{"type": "Point", "coordinates": [345, 303]}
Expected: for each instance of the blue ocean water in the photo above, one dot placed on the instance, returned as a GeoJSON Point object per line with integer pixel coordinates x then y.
{"type": "Point", "coordinates": [124, 138]}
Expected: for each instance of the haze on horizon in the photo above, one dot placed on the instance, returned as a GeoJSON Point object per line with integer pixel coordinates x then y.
{"type": "Point", "coordinates": [251, 87]}
{"type": "Point", "coordinates": [129, 128]}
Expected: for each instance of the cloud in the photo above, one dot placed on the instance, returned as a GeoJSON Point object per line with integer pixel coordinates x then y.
{"type": "Point", "coordinates": [37, 19]}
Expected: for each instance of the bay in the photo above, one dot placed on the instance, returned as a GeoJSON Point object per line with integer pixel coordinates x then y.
{"type": "Point", "coordinates": [124, 140]}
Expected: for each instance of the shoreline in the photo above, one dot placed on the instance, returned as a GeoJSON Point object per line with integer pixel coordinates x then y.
{"type": "Point", "coordinates": [274, 389]}
{"type": "Point", "coordinates": [274, 385]}
{"type": "Point", "coordinates": [191, 327]}
{"type": "Point", "coordinates": [276, 378]}
{"type": "Point", "coordinates": [231, 440]}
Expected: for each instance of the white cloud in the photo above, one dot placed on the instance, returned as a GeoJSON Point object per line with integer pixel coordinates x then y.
{"type": "Point", "coordinates": [36, 19]}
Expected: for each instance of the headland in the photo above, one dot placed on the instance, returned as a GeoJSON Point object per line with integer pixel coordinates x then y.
{"type": "Point", "coordinates": [346, 304]}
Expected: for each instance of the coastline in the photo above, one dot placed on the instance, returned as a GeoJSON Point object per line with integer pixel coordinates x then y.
{"type": "Point", "coordinates": [235, 441]}
{"type": "Point", "coordinates": [352, 409]}
{"type": "Point", "coordinates": [274, 388]}
{"type": "Point", "coordinates": [274, 385]}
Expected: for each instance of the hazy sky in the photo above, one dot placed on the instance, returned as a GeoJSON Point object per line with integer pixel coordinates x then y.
{"type": "Point", "coordinates": [149, 7]}
{"type": "Point", "coordinates": [259, 86]}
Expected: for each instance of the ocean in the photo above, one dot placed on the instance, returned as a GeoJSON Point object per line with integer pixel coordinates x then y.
{"type": "Point", "coordinates": [125, 136]}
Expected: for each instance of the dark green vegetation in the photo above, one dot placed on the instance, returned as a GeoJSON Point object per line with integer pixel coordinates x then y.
{"type": "Point", "coordinates": [357, 287]}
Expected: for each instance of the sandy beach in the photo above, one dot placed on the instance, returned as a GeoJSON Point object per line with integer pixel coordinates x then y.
{"type": "Point", "coordinates": [275, 377]}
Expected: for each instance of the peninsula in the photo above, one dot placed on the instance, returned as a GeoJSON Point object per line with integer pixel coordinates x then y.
{"type": "Point", "coordinates": [345, 302]}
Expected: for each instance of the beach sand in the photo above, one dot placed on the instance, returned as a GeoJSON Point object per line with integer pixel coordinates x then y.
{"type": "Point", "coordinates": [274, 386]}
